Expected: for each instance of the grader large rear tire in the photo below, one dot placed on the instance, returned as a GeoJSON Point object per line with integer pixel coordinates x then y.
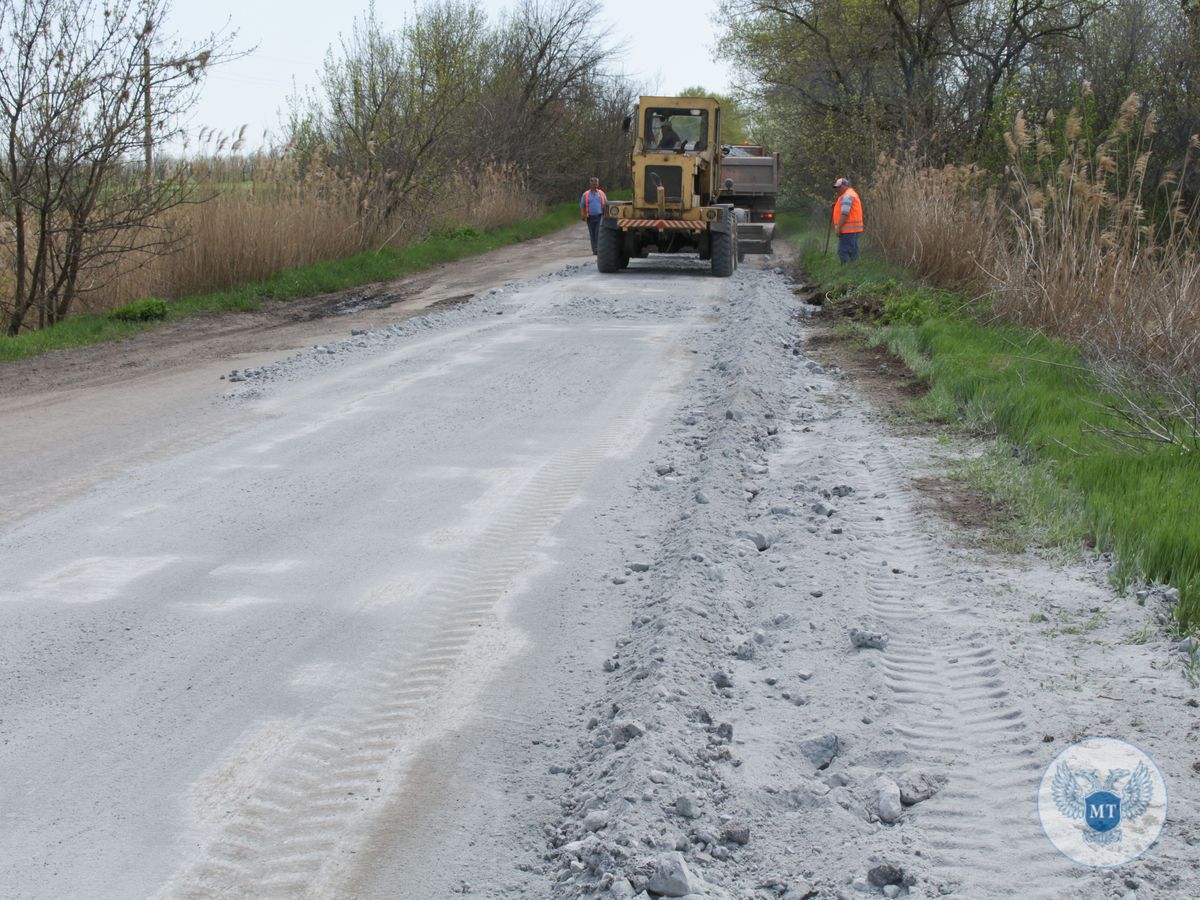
{"type": "Point", "coordinates": [724, 252]}
{"type": "Point", "coordinates": [608, 250]}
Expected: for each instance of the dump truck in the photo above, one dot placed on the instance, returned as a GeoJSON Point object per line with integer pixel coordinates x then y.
{"type": "Point", "coordinates": [675, 169]}
{"type": "Point", "coordinates": [750, 181]}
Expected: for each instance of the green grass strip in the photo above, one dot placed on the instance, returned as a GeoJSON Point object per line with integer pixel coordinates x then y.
{"type": "Point", "coordinates": [319, 278]}
{"type": "Point", "coordinates": [1038, 396]}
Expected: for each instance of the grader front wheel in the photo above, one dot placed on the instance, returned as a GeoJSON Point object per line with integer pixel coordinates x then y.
{"type": "Point", "coordinates": [608, 250]}
{"type": "Point", "coordinates": [724, 252]}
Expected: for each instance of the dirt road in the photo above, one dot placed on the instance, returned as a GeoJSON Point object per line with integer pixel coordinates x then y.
{"type": "Point", "coordinates": [521, 596]}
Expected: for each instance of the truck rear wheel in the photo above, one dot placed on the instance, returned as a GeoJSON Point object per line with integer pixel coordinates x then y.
{"type": "Point", "coordinates": [608, 249]}
{"type": "Point", "coordinates": [724, 251]}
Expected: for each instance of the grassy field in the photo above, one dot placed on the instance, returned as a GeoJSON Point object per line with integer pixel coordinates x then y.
{"type": "Point", "coordinates": [1038, 400]}
{"type": "Point", "coordinates": [365, 268]}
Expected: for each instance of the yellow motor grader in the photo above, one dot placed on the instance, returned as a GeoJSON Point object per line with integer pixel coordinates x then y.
{"type": "Point", "coordinates": [676, 173]}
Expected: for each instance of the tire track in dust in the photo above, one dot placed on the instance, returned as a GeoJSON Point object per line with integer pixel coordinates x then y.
{"type": "Point", "coordinates": [955, 713]}
{"type": "Point", "coordinates": [294, 835]}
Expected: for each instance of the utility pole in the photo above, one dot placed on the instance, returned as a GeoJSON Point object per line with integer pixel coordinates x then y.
{"type": "Point", "coordinates": [149, 136]}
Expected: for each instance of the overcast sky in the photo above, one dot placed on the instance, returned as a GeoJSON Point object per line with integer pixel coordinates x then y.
{"type": "Point", "coordinates": [668, 44]}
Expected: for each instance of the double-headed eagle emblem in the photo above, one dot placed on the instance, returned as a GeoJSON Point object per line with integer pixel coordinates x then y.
{"type": "Point", "coordinates": [1080, 794]}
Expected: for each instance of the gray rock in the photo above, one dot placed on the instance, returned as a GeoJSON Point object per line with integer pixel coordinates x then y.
{"type": "Point", "coordinates": [745, 650]}
{"type": "Point", "coordinates": [659, 777]}
{"type": "Point", "coordinates": [639, 566]}
{"type": "Point", "coordinates": [799, 889]}
{"type": "Point", "coordinates": [885, 873]}
{"type": "Point", "coordinates": [820, 751]}
{"type": "Point", "coordinates": [722, 679]}
{"type": "Point", "coordinates": [760, 541]}
{"type": "Point", "coordinates": [887, 800]}
{"type": "Point", "coordinates": [916, 787]}
{"type": "Point", "coordinates": [625, 730]}
{"type": "Point", "coordinates": [596, 819]}
{"type": "Point", "coordinates": [822, 510]}
{"type": "Point", "coordinates": [671, 877]}
{"type": "Point", "coordinates": [736, 832]}
{"type": "Point", "coordinates": [702, 498]}
{"type": "Point", "coordinates": [868, 640]}
{"type": "Point", "coordinates": [1187, 644]}
{"type": "Point", "coordinates": [621, 889]}
{"type": "Point", "coordinates": [842, 490]}
{"type": "Point", "coordinates": [687, 807]}
{"type": "Point", "coordinates": [664, 469]}
{"type": "Point", "coordinates": [891, 890]}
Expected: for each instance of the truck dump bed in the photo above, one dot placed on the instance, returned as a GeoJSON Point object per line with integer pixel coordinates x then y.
{"type": "Point", "coordinates": [751, 175]}
{"type": "Point", "coordinates": [750, 181]}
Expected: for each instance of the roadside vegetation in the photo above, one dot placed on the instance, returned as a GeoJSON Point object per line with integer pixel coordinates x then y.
{"type": "Point", "coordinates": [433, 129]}
{"type": "Point", "coordinates": [1028, 175]}
{"type": "Point", "coordinates": [386, 264]}
{"type": "Point", "coordinates": [1054, 451]}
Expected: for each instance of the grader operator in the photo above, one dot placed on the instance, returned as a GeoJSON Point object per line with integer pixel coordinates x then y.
{"type": "Point", "coordinates": [675, 169]}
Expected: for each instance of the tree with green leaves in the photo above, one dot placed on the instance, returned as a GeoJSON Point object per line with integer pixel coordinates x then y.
{"type": "Point", "coordinates": [841, 79]}
{"type": "Point", "coordinates": [737, 120]}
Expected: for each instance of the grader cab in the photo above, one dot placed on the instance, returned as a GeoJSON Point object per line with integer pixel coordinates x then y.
{"type": "Point", "coordinates": [675, 168]}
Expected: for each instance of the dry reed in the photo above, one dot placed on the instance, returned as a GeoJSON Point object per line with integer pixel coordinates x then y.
{"type": "Point", "coordinates": [1097, 255]}
{"type": "Point", "coordinates": [257, 215]}
{"type": "Point", "coordinates": [939, 222]}
{"type": "Point", "coordinates": [1075, 244]}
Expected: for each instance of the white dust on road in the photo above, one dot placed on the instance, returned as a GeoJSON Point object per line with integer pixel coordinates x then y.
{"type": "Point", "coordinates": [525, 596]}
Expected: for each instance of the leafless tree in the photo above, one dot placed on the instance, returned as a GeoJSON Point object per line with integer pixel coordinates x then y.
{"type": "Point", "coordinates": [392, 103]}
{"type": "Point", "coordinates": [78, 102]}
{"type": "Point", "coordinates": [400, 110]}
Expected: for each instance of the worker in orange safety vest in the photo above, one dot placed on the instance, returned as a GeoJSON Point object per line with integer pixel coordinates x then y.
{"type": "Point", "coordinates": [847, 219]}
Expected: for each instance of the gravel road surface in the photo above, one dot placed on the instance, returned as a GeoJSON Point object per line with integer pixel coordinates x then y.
{"type": "Point", "coordinates": [585, 587]}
